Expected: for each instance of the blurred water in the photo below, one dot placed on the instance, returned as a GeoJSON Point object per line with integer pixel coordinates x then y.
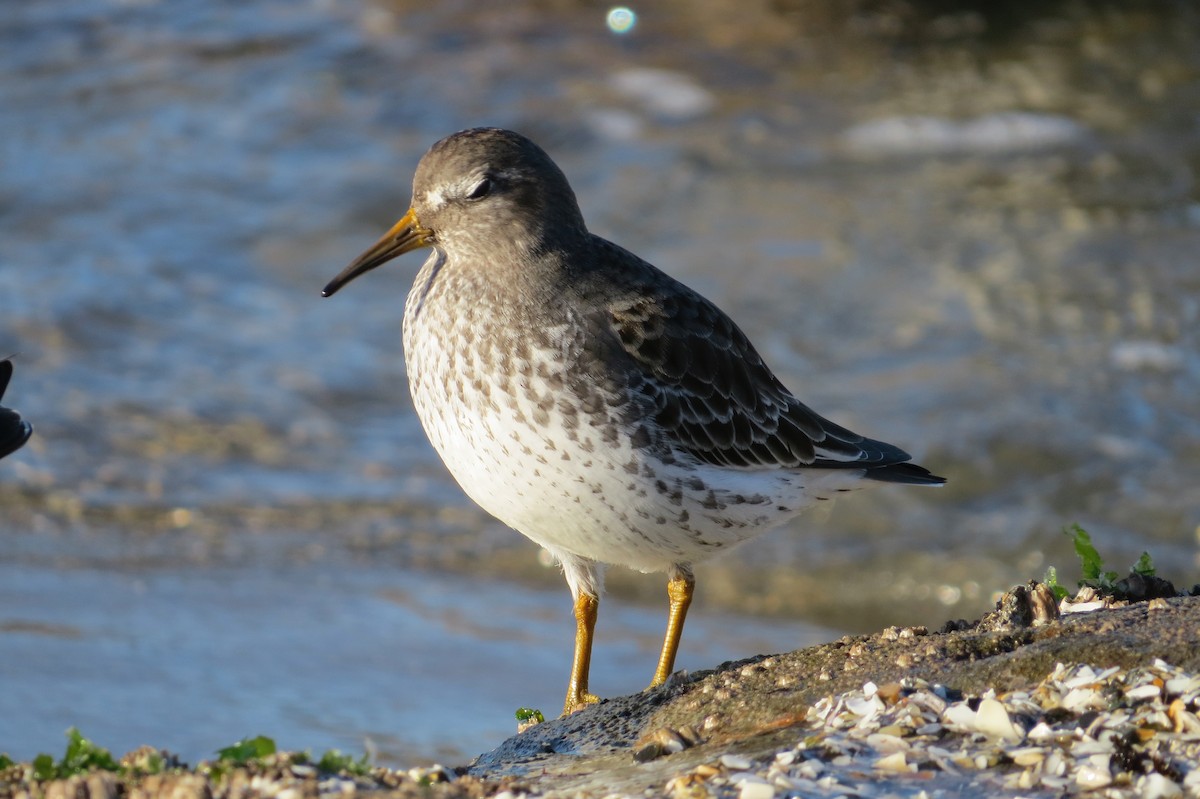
{"type": "Point", "coordinates": [971, 233]}
{"type": "Point", "coordinates": [315, 652]}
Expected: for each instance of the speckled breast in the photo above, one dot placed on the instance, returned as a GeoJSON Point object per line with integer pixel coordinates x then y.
{"type": "Point", "coordinates": [536, 436]}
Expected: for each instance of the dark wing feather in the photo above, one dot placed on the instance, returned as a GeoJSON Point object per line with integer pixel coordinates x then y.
{"type": "Point", "coordinates": [13, 431]}
{"type": "Point", "coordinates": [715, 398]}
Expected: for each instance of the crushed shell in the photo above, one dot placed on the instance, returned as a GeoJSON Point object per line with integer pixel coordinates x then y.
{"type": "Point", "coordinates": [1097, 733]}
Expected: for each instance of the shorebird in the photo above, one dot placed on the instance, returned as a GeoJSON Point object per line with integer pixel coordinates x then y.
{"type": "Point", "coordinates": [585, 398]}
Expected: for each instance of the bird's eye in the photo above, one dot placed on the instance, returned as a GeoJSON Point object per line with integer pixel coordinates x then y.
{"type": "Point", "coordinates": [482, 189]}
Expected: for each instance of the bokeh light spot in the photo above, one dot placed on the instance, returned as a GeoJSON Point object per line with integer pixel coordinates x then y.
{"type": "Point", "coordinates": [621, 19]}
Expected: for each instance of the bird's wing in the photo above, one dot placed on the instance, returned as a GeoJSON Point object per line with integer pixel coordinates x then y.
{"type": "Point", "coordinates": [13, 431]}
{"type": "Point", "coordinates": [714, 396]}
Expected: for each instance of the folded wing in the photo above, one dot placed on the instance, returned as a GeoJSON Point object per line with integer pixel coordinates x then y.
{"type": "Point", "coordinates": [716, 399]}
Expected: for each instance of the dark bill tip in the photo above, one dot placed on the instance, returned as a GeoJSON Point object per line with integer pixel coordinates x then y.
{"type": "Point", "coordinates": [404, 236]}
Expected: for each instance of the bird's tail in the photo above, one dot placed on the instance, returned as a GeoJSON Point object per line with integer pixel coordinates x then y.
{"type": "Point", "coordinates": [906, 473]}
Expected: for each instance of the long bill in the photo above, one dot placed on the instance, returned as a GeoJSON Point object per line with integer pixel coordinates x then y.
{"type": "Point", "coordinates": [405, 236]}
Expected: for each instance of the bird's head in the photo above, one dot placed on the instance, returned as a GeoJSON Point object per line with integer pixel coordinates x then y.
{"type": "Point", "coordinates": [475, 193]}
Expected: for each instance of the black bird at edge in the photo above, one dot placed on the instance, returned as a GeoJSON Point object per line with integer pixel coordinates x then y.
{"type": "Point", "coordinates": [14, 431]}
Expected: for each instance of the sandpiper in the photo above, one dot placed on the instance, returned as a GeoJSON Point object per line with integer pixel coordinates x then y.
{"type": "Point", "coordinates": [590, 401]}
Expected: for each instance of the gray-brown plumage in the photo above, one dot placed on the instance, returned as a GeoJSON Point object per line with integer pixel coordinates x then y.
{"type": "Point", "coordinates": [586, 398]}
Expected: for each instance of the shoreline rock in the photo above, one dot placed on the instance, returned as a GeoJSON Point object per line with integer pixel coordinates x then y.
{"type": "Point", "coordinates": [754, 707]}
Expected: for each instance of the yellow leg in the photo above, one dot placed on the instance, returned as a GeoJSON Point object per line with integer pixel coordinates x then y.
{"type": "Point", "coordinates": [679, 591]}
{"type": "Point", "coordinates": [586, 608]}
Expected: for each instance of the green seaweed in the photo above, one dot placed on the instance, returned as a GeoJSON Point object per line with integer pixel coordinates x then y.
{"type": "Point", "coordinates": [247, 751]}
{"type": "Point", "coordinates": [1092, 565]}
{"type": "Point", "coordinates": [44, 768]}
{"type": "Point", "coordinates": [83, 755]}
{"type": "Point", "coordinates": [80, 757]}
{"type": "Point", "coordinates": [1089, 559]}
{"type": "Point", "coordinates": [1051, 580]}
{"type": "Point", "coordinates": [334, 762]}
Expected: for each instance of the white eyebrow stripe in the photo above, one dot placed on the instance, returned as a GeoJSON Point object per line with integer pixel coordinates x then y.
{"type": "Point", "coordinates": [440, 195]}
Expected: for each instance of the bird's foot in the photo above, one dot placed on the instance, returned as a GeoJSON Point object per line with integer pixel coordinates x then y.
{"type": "Point", "coordinates": [578, 702]}
{"type": "Point", "coordinates": [660, 680]}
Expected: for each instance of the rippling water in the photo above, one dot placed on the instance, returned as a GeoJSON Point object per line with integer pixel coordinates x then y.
{"type": "Point", "coordinates": [970, 234]}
